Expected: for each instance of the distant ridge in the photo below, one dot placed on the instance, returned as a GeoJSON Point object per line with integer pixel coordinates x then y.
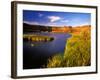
{"type": "Point", "coordinates": [41, 28]}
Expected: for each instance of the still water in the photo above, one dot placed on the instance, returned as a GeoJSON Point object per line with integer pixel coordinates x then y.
{"type": "Point", "coordinates": [37, 56]}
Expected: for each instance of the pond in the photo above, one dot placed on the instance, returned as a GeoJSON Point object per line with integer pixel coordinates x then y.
{"type": "Point", "coordinates": [36, 54]}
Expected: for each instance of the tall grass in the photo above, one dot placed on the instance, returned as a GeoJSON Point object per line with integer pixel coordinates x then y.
{"type": "Point", "coordinates": [77, 52]}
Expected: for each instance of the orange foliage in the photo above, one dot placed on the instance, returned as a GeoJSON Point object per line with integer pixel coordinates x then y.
{"type": "Point", "coordinates": [70, 29]}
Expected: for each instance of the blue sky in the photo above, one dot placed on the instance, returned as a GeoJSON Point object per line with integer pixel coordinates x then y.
{"type": "Point", "coordinates": [49, 18]}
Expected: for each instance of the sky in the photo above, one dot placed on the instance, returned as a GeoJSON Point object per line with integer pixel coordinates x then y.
{"type": "Point", "coordinates": [50, 18]}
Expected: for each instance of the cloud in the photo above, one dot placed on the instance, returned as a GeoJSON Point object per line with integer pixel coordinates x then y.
{"type": "Point", "coordinates": [65, 21]}
{"type": "Point", "coordinates": [54, 18]}
{"type": "Point", "coordinates": [51, 24]}
{"type": "Point", "coordinates": [85, 23]}
{"type": "Point", "coordinates": [31, 23]}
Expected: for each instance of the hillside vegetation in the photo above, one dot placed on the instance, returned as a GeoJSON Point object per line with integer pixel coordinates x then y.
{"type": "Point", "coordinates": [77, 50]}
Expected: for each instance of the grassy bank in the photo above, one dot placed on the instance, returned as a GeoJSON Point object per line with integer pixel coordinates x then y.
{"type": "Point", "coordinates": [77, 51]}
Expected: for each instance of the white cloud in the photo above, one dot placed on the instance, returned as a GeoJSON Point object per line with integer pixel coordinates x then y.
{"type": "Point", "coordinates": [65, 21]}
{"type": "Point", "coordinates": [31, 23]}
{"type": "Point", "coordinates": [86, 23]}
{"type": "Point", "coordinates": [51, 24]}
{"type": "Point", "coordinates": [54, 18]}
